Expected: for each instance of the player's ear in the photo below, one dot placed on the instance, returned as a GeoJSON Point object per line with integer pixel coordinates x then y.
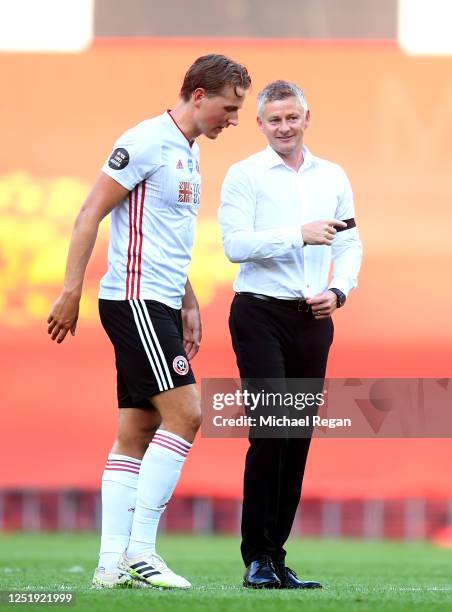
{"type": "Point", "coordinates": [307, 119]}
{"type": "Point", "coordinates": [198, 95]}
{"type": "Point", "coordinates": [260, 123]}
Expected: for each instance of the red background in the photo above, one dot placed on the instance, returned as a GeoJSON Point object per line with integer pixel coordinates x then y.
{"type": "Point", "coordinates": [383, 116]}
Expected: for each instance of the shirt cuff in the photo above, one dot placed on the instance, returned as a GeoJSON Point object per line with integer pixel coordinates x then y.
{"type": "Point", "coordinates": [342, 284]}
{"type": "Point", "coordinates": [296, 237]}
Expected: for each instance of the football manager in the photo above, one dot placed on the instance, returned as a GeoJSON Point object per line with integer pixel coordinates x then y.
{"type": "Point", "coordinates": [285, 214]}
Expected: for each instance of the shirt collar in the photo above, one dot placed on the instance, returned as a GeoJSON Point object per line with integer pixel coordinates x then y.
{"type": "Point", "coordinates": [174, 124]}
{"type": "Point", "coordinates": [274, 159]}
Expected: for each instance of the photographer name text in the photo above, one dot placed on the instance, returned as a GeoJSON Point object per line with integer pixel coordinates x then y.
{"type": "Point", "coordinates": [281, 421]}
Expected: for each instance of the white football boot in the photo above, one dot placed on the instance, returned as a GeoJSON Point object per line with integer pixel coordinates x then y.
{"type": "Point", "coordinates": [153, 571]}
{"type": "Point", "coordinates": [113, 580]}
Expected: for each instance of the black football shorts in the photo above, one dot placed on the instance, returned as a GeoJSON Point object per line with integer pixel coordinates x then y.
{"type": "Point", "coordinates": [148, 341]}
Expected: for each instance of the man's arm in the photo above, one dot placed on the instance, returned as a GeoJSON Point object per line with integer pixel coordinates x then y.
{"type": "Point", "coordinates": [191, 321]}
{"type": "Point", "coordinates": [243, 243]}
{"type": "Point", "coordinates": [346, 251]}
{"type": "Point", "coordinates": [347, 248]}
{"type": "Point", "coordinates": [104, 196]}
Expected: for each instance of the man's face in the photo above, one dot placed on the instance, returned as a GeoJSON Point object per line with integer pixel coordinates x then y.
{"type": "Point", "coordinates": [215, 113]}
{"type": "Point", "coordinates": [283, 122]}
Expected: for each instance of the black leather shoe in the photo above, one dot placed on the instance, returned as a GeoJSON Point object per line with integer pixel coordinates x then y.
{"type": "Point", "coordinates": [289, 580]}
{"type": "Point", "coordinates": [260, 574]}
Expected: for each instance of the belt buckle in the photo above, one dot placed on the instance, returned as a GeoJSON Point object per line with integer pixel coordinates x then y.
{"type": "Point", "coordinates": [303, 306]}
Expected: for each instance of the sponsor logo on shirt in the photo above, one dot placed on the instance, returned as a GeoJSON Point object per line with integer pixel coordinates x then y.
{"type": "Point", "coordinates": [189, 193]}
{"type": "Point", "coordinates": [180, 365]}
{"type": "Point", "coordinates": [118, 159]}
{"type": "Point", "coordinates": [179, 165]}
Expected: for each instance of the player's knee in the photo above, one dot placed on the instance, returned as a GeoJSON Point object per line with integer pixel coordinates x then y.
{"type": "Point", "coordinates": [137, 440]}
{"type": "Point", "coordinates": [144, 437]}
{"type": "Point", "coordinates": [194, 419]}
{"type": "Point", "coordinates": [190, 417]}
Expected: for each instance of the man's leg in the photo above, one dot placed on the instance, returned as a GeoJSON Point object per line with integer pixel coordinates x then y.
{"type": "Point", "coordinates": [308, 360]}
{"type": "Point", "coordinates": [257, 338]}
{"type": "Point", "coordinates": [136, 428]}
{"type": "Point", "coordinates": [292, 473]}
{"type": "Point", "coordinates": [261, 483]}
{"type": "Point", "coordinates": [151, 363]}
{"type": "Point", "coordinates": [159, 473]}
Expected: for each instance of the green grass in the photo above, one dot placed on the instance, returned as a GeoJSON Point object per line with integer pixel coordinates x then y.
{"type": "Point", "coordinates": [377, 576]}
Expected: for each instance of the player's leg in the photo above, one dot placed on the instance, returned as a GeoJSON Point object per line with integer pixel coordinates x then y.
{"type": "Point", "coordinates": [137, 423]}
{"type": "Point", "coordinates": [160, 471]}
{"type": "Point", "coordinates": [136, 427]}
{"type": "Point", "coordinates": [162, 463]}
{"type": "Point", "coordinates": [157, 369]}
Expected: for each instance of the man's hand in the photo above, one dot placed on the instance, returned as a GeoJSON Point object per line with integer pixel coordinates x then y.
{"type": "Point", "coordinates": [191, 321]}
{"type": "Point", "coordinates": [63, 316]}
{"type": "Point", "coordinates": [323, 305]}
{"type": "Point", "coordinates": [321, 232]}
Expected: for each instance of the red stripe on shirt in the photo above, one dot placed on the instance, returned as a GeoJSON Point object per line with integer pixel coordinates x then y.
{"type": "Point", "coordinates": [140, 232]}
{"type": "Point", "coordinates": [130, 245]}
{"type": "Point", "coordinates": [134, 247]}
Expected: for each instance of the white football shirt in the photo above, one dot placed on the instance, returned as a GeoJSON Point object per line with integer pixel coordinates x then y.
{"type": "Point", "coordinates": [152, 229]}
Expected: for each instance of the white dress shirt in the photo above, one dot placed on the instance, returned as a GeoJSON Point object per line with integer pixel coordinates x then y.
{"type": "Point", "coordinates": [264, 203]}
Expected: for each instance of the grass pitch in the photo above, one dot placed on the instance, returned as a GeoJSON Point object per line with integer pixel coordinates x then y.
{"type": "Point", "coordinates": [357, 575]}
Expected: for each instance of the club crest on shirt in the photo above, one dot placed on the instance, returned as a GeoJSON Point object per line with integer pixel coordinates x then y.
{"type": "Point", "coordinates": [197, 166]}
{"type": "Point", "coordinates": [180, 365]}
{"type": "Point", "coordinates": [189, 193]}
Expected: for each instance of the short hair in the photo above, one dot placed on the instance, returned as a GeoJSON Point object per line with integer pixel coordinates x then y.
{"type": "Point", "coordinates": [212, 73]}
{"type": "Point", "coordinates": [280, 90]}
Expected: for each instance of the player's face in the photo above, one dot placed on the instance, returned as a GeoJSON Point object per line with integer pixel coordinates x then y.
{"type": "Point", "coordinates": [283, 122]}
{"type": "Point", "coordinates": [216, 113]}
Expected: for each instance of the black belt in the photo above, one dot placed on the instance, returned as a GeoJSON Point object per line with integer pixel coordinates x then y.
{"type": "Point", "coordinates": [299, 304]}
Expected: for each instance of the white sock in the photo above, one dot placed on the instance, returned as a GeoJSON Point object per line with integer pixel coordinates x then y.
{"type": "Point", "coordinates": [160, 470]}
{"type": "Point", "coordinates": [119, 494]}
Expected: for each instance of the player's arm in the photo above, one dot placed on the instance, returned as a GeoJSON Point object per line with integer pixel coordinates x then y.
{"type": "Point", "coordinates": [191, 320]}
{"type": "Point", "coordinates": [104, 196]}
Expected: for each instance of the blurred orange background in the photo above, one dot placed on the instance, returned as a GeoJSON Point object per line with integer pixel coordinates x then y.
{"type": "Point", "coordinates": [384, 116]}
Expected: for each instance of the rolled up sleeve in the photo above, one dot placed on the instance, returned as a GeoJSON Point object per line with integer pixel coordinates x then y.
{"type": "Point", "coordinates": [347, 247]}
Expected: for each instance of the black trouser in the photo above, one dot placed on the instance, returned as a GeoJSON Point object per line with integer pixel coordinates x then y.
{"type": "Point", "coordinates": [274, 340]}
